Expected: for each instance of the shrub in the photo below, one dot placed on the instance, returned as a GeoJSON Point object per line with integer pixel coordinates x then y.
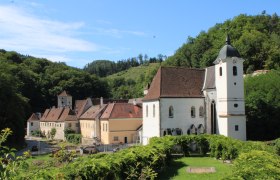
{"type": "Point", "coordinates": [74, 138]}
{"type": "Point", "coordinates": [277, 146]}
{"type": "Point", "coordinates": [37, 133]}
{"type": "Point", "coordinates": [257, 165]}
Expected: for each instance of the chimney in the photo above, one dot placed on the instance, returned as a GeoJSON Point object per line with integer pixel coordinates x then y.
{"type": "Point", "coordinates": [101, 101]}
{"type": "Point", "coordinates": [146, 89]}
{"type": "Point", "coordinates": [38, 114]}
{"type": "Point", "coordinates": [134, 102]}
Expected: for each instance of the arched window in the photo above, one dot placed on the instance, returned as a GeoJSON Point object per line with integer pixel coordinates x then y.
{"type": "Point", "coordinates": [221, 71]}
{"type": "Point", "coordinates": [193, 112]}
{"type": "Point", "coordinates": [154, 110]}
{"type": "Point", "coordinates": [147, 111]}
{"type": "Point", "coordinates": [234, 70]}
{"type": "Point", "coordinates": [201, 111]}
{"type": "Point", "coordinates": [171, 111]}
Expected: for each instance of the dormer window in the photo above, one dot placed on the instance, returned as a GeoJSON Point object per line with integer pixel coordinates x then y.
{"type": "Point", "coordinates": [221, 71]}
{"type": "Point", "coordinates": [171, 112]}
{"type": "Point", "coordinates": [234, 70]}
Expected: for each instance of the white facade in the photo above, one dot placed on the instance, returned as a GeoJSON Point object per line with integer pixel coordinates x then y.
{"type": "Point", "coordinates": [231, 119]}
{"type": "Point", "coordinates": [151, 120]}
{"type": "Point", "coordinates": [157, 120]}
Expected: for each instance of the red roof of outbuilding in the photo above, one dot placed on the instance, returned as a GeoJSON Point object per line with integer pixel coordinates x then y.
{"type": "Point", "coordinates": [122, 110]}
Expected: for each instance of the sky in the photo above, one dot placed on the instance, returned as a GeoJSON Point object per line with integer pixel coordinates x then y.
{"type": "Point", "coordinates": [78, 32]}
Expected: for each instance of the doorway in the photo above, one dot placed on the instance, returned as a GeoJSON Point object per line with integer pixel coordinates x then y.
{"type": "Point", "coordinates": [125, 139]}
{"type": "Point", "coordinates": [213, 118]}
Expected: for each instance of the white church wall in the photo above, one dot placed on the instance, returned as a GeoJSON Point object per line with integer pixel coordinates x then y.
{"type": "Point", "coordinates": [210, 96]}
{"type": "Point", "coordinates": [182, 113]}
{"type": "Point", "coordinates": [151, 120]}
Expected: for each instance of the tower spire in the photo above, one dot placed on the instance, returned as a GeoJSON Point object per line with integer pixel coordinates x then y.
{"type": "Point", "coordinates": [228, 40]}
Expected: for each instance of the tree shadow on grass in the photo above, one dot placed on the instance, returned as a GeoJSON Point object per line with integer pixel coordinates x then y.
{"type": "Point", "coordinates": [171, 170]}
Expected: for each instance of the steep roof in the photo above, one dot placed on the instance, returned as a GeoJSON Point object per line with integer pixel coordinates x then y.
{"type": "Point", "coordinates": [64, 93]}
{"type": "Point", "coordinates": [93, 112]}
{"type": "Point", "coordinates": [122, 110]}
{"type": "Point", "coordinates": [34, 117]}
{"type": "Point", "coordinates": [176, 82]}
{"type": "Point", "coordinates": [82, 105]}
{"type": "Point", "coordinates": [59, 114]}
{"type": "Point", "coordinates": [210, 78]}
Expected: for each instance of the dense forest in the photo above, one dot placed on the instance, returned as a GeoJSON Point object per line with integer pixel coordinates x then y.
{"type": "Point", "coordinates": [103, 68]}
{"type": "Point", "coordinates": [257, 39]}
{"type": "Point", "coordinates": [29, 84]}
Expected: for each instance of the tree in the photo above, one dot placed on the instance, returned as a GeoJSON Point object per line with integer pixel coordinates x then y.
{"type": "Point", "coordinates": [262, 103]}
{"type": "Point", "coordinates": [52, 133]}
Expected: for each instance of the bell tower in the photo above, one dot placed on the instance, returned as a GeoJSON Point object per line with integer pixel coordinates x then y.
{"type": "Point", "coordinates": [64, 100]}
{"type": "Point", "coordinates": [231, 119]}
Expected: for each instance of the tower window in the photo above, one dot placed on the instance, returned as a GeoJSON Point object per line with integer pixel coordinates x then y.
{"type": "Point", "coordinates": [234, 70]}
{"type": "Point", "coordinates": [236, 127]}
{"type": "Point", "coordinates": [193, 112]}
{"type": "Point", "coordinates": [201, 111]}
{"type": "Point", "coordinates": [234, 83]}
{"type": "Point", "coordinates": [171, 111]}
{"type": "Point", "coordinates": [221, 71]}
{"type": "Point", "coordinates": [235, 105]}
{"type": "Point", "coordinates": [147, 111]}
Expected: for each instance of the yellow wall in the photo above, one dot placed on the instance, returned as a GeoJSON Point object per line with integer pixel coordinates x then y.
{"type": "Point", "coordinates": [87, 128]}
{"type": "Point", "coordinates": [120, 128]}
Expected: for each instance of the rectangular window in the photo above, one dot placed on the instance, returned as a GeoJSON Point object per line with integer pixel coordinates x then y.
{"type": "Point", "coordinates": [116, 138]}
{"type": "Point", "coordinates": [77, 124]}
{"type": "Point", "coordinates": [31, 124]}
{"type": "Point", "coordinates": [234, 70]}
{"type": "Point", "coordinates": [236, 128]}
{"type": "Point", "coordinates": [103, 127]}
{"type": "Point", "coordinates": [106, 127]}
{"type": "Point", "coordinates": [69, 125]}
{"type": "Point", "coordinates": [193, 112]}
{"type": "Point", "coordinates": [147, 111]}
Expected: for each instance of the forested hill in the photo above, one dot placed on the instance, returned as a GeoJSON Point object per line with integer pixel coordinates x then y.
{"type": "Point", "coordinates": [257, 39]}
{"type": "Point", "coordinates": [103, 68]}
{"type": "Point", "coordinates": [29, 84]}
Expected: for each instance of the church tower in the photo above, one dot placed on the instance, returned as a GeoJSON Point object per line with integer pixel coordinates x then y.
{"type": "Point", "coordinates": [231, 119]}
{"type": "Point", "coordinates": [64, 100]}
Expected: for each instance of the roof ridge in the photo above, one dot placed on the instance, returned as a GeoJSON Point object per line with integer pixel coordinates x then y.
{"type": "Point", "coordinates": [113, 104]}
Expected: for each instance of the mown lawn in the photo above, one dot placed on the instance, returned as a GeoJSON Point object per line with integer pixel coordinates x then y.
{"type": "Point", "coordinates": [177, 169]}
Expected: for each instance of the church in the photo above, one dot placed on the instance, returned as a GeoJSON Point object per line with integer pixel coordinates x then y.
{"type": "Point", "coordinates": [184, 100]}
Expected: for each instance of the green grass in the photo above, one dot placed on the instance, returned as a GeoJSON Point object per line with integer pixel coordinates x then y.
{"type": "Point", "coordinates": [177, 169]}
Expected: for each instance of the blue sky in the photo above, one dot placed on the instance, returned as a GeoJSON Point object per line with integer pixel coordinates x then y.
{"type": "Point", "coordinates": [78, 32]}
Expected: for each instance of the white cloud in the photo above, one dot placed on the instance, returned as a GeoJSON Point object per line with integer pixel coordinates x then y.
{"type": "Point", "coordinates": [21, 31]}
{"type": "Point", "coordinates": [117, 33]}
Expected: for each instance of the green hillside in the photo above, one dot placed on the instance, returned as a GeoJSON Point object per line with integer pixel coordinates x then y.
{"type": "Point", "coordinates": [257, 39]}
{"type": "Point", "coordinates": [130, 83]}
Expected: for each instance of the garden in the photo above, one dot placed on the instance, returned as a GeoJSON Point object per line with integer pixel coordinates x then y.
{"type": "Point", "coordinates": [169, 157]}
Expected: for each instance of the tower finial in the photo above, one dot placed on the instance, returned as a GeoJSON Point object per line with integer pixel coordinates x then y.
{"type": "Point", "coordinates": [228, 38]}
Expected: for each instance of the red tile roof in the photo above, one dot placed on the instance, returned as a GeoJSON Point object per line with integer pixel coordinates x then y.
{"type": "Point", "coordinates": [82, 105]}
{"type": "Point", "coordinates": [45, 114]}
{"type": "Point", "coordinates": [34, 117]}
{"type": "Point", "coordinates": [93, 112]}
{"type": "Point", "coordinates": [122, 110]}
{"type": "Point", "coordinates": [176, 82]}
{"type": "Point", "coordinates": [59, 114]}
